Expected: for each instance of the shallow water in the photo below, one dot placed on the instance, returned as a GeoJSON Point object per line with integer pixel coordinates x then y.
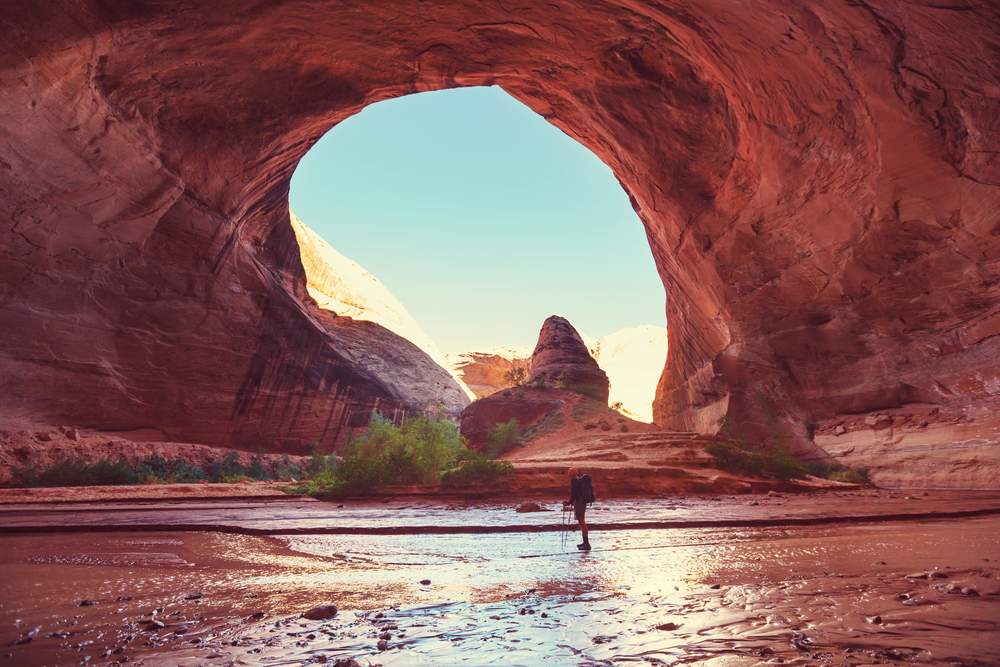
{"type": "Point", "coordinates": [818, 595]}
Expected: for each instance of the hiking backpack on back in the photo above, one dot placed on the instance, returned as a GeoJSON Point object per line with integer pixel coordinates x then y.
{"type": "Point", "coordinates": [587, 489]}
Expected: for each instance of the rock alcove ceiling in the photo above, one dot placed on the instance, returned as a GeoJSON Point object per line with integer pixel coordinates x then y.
{"type": "Point", "coordinates": [819, 185]}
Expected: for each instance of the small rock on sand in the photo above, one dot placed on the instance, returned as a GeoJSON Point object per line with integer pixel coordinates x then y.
{"type": "Point", "coordinates": [529, 507]}
{"type": "Point", "coordinates": [425, 582]}
{"type": "Point", "coordinates": [321, 612]}
{"type": "Point", "coordinates": [383, 645]}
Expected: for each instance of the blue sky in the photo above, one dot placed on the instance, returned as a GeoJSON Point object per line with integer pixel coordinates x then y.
{"type": "Point", "coordinates": [481, 218]}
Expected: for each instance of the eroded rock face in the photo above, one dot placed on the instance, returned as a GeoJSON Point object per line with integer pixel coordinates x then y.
{"type": "Point", "coordinates": [561, 358]}
{"type": "Point", "coordinates": [524, 405]}
{"type": "Point", "coordinates": [485, 371]}
{"type": "Point", "coordinates": [346, 290]}
{"type": "Point", "coordinates": [819, 185]}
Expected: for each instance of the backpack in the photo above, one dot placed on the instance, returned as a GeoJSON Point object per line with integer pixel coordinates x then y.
{"type": "Point", "coordinates": [587, 489]}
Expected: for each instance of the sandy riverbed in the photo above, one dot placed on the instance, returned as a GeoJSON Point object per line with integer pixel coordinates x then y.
{"type": "Point", "coordinates": [835, 594]}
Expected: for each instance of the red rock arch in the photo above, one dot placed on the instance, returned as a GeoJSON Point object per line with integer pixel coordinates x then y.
{"type": "Point", "coordinates": [819, 187]}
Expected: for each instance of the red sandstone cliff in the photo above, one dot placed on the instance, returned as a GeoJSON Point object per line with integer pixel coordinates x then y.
{"type": "Point", "coordinates": [819, 184]}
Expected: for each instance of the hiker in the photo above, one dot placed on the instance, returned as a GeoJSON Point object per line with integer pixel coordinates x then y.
{"type": "Point", "coordinates": [581, 490]}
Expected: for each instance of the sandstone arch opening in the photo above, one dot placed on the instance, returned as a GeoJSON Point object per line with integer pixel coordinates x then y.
{"type": "Point", "coordinates": [482, 220]}
{"type": "Point", "coordinates": [823, 216]}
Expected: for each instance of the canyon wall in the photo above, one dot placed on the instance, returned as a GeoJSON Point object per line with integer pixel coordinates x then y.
{"type": "Point", "coordinates": [819, 183]}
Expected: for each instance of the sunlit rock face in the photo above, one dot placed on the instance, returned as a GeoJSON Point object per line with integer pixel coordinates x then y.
{"type": "Point", "coordinates": [340, 286]}
{"type": "Point", "coordinates": [485, 371]}
{"type": "Point", "coordinates": [818, 181]}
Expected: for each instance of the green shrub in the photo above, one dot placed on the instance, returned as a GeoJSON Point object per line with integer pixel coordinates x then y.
{"type": "Point", "coordinates": [552, 421]}
{"type": "Point", "coordinates": [736, 457]}
{"type": "Point", "coordinates": [588, 390]}
{"type": "Point", "coordinates": [840, 473]}
{"type": "Point", "coordinates": [82, 471]}
{"type": "Point", "coordinates": [388, 455]}
{"type": "Point", "coordinates": [591, 409]}
{"type": "Point", "coordinates": [502, 438]}
{"type": "Point", "coordinates": [480, 471]}
{"type": "Point", "coordinates": [515, 376]}
{"type": "Point", "coordinates": [320, 464]}
{"type": "Point", "coordinates": [79, 471]}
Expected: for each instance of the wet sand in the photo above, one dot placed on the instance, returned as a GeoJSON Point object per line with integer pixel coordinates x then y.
{"type": "Point", "coordinates": [821, 594]}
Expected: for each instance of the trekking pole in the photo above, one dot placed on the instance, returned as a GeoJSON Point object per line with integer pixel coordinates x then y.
{"type": "Point", "coordinates": [565, 529]}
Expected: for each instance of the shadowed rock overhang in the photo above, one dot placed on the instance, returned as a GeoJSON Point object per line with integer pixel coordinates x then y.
{"type": "Point", "coordinates": [819, 186]}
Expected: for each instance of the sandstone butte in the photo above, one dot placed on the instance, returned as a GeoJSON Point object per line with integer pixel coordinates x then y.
{"type": "Point", "coordinates": [819, 184]}
{"type": "Point", "coordinates": [632, 359]}
{"type": "Point", "coordinates": [561, 358]}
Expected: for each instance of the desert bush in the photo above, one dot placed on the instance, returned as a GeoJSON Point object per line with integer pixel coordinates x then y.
{"type": "Point", "coordinates": [82, 471]}
{"type": "Point", "coordinates": [552, 421]}
{"type": "Point", "coordinates": [502, 438]}
{"type": "Point", "coordinates": [321, 464]}
{"type": "Point", "coordinates": [736, 457]}
{"type": "Point", "coordinates": [775, 461]}
{"type": "Point", "coordinates": [515, 376]}
{"type": "Point", "coordinates": [78, 471]}
{"type": "Point", "coordinates": [840, 473]}
{"type": "Point", "coordinates": [591, 409]}
{"type": "Point", "coordinates": [387, 455]}
{"type": "Point", "coordinates": [617, 406]}
{"type": "Point", "coordinates": [478, 470]}
{"type": "Point", "coordinates": [588, 390]}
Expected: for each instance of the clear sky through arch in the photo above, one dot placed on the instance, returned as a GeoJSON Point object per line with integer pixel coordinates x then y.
{"type": "Point", "coordinates": [481, 218]}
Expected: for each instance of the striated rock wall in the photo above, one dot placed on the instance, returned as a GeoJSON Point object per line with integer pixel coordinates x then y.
{"type": "Point", "coordinates": [819, 184]}
{"type": "Point", "coordinates": [343, 288]}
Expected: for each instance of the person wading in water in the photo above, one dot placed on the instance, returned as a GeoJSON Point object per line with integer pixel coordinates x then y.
{"type": "Point", "coordinates": [581, 490]}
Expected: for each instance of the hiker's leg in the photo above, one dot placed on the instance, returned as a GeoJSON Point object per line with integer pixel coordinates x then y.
{"type": "Point", "coordinates": [583, 531]}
